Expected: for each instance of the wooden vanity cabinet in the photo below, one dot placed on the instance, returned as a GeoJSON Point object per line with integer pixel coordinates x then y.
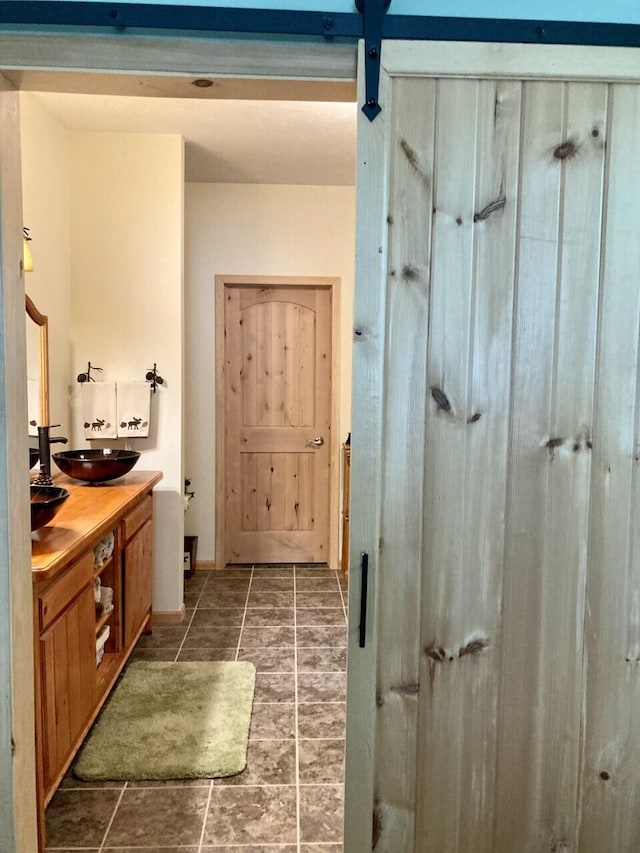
{"type": "Point", "coordinates": [137, 577]}
{"type": "Point", "coordinates": [70, 684]}
{"type": "Point", "coordinates": [67, 664]}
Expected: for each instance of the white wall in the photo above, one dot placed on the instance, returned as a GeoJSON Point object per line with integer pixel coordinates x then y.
{"type": "Point", "coordinates": [252, 229]}
{"type": "Point", "coordinates": [127, 206]}
{"type": "Point", "coordinates": [46, 174]}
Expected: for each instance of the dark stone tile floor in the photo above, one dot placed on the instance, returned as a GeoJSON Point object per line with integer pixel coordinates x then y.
{"type": "Point", "coordinates": [291, 623]}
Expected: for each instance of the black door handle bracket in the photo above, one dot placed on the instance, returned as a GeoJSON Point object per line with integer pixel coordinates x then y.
{"type": "Point", "coordinates": [364, 583]}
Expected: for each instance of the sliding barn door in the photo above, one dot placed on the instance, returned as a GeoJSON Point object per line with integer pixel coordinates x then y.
{"type": "Point", "coordinates": [495, 706]}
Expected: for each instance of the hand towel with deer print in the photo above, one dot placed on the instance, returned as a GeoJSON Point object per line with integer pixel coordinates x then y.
{"type": "Point", "coordinates": [134, 408]}
{"type": "Point", "coordinates": [99, 410]}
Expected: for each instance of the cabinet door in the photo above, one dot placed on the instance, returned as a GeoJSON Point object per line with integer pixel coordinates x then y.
{"type": "Point", "coordinates": [137, 569]}
{"type": "Point", "coordinates": [67, 660]}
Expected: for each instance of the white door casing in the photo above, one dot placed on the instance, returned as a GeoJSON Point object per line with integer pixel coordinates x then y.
{"type": "Point", "coordinates": [17, 764]}
{"type": "Point", "coordinates": [495, 706]}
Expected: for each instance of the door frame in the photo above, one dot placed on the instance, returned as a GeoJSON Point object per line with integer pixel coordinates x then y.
{"type": "Point", "coordinates": [274, 281]}
{"type": "Point", "coordinates": [113, 56]}
{"type": "Point", "coordinates": [17, 747]}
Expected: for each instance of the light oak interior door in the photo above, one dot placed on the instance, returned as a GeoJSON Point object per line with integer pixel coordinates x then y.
{"type": "Point", "coordinates": [496, 705]}
{"type": "Point", "coordinates": [277, 413]}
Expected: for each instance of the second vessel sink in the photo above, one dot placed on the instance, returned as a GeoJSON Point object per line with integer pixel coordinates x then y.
{"type": "Point", "coordinates": [96, 466]}
{"type": "Point", "coordinates": [45, 502]}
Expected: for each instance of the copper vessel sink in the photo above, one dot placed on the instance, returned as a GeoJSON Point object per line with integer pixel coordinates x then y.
{"type": "Point", "coordinates": [45, 503]}
{"type": "Point", "coordinates": [96, 466]}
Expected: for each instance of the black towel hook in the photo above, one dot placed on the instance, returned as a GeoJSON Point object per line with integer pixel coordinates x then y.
{"type": "Point", "coordinates": [154, 378]}
{"type": "Point", "coordinates": [87, 377]}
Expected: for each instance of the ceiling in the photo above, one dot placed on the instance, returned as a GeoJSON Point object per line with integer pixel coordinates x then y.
{"type": "Point", "coordinates": [235, 139]}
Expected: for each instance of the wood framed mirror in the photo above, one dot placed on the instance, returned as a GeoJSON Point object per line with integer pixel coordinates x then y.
{"type": "Point", "coordinates": [37, 363]}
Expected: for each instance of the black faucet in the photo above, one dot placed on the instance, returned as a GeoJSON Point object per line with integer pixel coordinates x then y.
{"type": "Point", "coordinates": [44, 448]}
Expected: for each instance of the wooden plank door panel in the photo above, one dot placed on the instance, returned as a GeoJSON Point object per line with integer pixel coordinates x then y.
{"type": "Point", "coordinates": [277, 398]}
{"type": "Point", "coordinates": [548, 492]}
{"type": "Point", "coordinates": [410, 211]}
{"type": "Point", "coordinates": [610, 796]}
{"type": "Point", "coordinates": [467, 427]}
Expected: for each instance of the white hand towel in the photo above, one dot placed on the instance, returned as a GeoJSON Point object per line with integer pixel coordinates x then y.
{"type": "Point", "coordinates": [33, 405]}
{"type": "Point", "coordinates": [99, 410]}
{"type": "Point", "coordinates": [134, 409]}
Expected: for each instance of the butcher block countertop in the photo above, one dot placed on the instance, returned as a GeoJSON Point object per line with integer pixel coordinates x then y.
{"type": "Point", "coordinates": [88, 514]}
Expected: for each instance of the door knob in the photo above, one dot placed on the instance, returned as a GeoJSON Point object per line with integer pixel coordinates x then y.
{"type": "Point", "coordinates": [318, 441]}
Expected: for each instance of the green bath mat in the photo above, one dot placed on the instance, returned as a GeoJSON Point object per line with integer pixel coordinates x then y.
{"type": "Point", "coordinates": [172, 721]}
